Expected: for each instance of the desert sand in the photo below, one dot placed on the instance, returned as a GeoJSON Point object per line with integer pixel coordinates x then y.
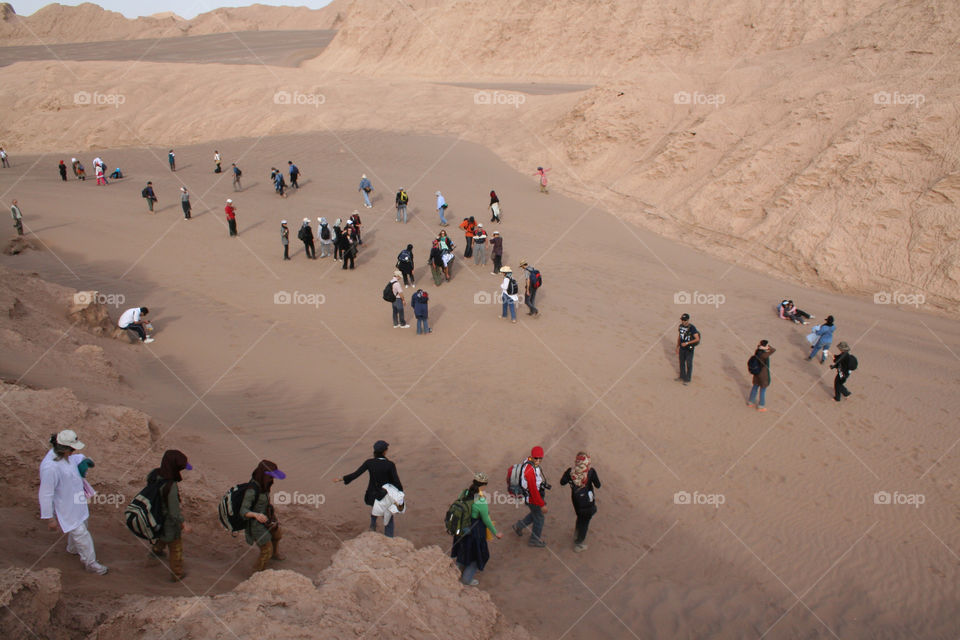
{"type": "Point", "coordinates": [790, 537]}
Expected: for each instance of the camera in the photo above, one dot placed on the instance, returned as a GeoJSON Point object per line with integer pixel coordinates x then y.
{"type": "Point", "coordinates": [546, 486]}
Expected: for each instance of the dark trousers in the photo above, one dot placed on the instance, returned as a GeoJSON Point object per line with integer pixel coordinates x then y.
{"type": "Point", "coordinates": [337, 251]}
{"type": "Point", "coordinates": [583, 523]}
{"type": "Point", "coordinates": [497, 260]}
{"type": "Point", "coordinates": [293, 181]}
{"type": "Point", "coordinates": [311, 250]}
{"type": "Point", "coordinates": [840, 387]}
{"type": "Point", "coordinates": [137, 329]}
{"type": "Point", "coordinates": [348, 257]}
{"type": "Point", "coordinates": [686, 363]}
{"type": "Point", "coordinates": [286, 252]}
{"type": "Point", "coordinates": [233, 226]}
{"type": "Point", "coordinates": [468, 250]}
{"type": "Point", "coordinates": [186, 209]}
{"type": "Point", "coordinates": [529, 301]}
{"type": "Point", "coordinates": [406, 275]}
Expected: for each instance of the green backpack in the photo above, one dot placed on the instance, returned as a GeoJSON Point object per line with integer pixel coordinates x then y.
{"type": "Point", "coordinates": [458, 518]}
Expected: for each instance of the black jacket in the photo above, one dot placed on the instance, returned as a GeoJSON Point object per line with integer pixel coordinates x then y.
{"type": "Point", "coordinates": [382, 471]}
{"type": "Point", "coordinates": [579, 501]}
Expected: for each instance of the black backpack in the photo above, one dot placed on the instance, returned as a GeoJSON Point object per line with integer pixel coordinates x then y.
{"type": "Point", "coordinates": [238, 172]}
{"type": "Point", "coordinates": [852, 362]}
{"type": "Point", "coordinates": [144, 193]}
{"type": "Point", "coordinates": [144, 515]}
{"type": "Point", "coordinates": [404, 256]}
{"type": "Point", "coordinates": [324, 232]}
{"type": "Point", "coordinates": [582, 498]}
{"type": "Point", "coordinates": [388, 293]}
{"type": "Point", "coordinates": [754, 365]}
{"type": "Point", "coordinates": [512, 287]}
{"type": "Point", "coordinates": [229, 508]}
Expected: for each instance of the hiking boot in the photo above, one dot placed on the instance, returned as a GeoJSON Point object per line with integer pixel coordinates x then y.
{"type": "Point", "coordinates": [536, 542]}
{"type": "Point", "coordinates": [177, 578]}
{"type": "Point", "coordinates": [519, 531]}
{"type": "Point", "coordinates": [97, 568]}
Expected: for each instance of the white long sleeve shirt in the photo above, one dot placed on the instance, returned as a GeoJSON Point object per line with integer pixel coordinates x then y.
{"type": "Point", "coordinates": [505, 288]}
{"type": "Point", "coordinates": [61, 491]}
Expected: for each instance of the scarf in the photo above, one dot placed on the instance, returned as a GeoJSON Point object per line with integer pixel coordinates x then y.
{"type": "Point", "coordinates": [580, 471]}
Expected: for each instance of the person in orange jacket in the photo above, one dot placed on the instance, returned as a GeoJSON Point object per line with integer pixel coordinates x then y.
{"type": "Point", "coordinates": [469, 225]}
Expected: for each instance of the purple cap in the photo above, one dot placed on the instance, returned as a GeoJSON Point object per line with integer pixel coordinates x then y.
{"type": "Point", "coordinates": [279, 475]}
{"type": "Point", "coordinates": [189, 467]}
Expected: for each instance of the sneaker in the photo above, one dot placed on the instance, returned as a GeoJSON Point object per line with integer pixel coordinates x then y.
{"type": "Point", "coordinates": [396, 326]}
{"type": "Point", "coordinates": [148, 341]}
{"type": "Point", "coordinates": [97, 568]}
{"type": "Point", "coordinates": [535, 542]}
{"type": "Point", "coordinates": [514, 321]}
{"type": "Point", "coordinates": [517, 530]}
{"type": "Point", "coordinates": [577, 548]}
{"type": "Point", "coordinates": [474, 582]}
{"type": "Point", "coordinates": [686, 382]}
{"type": "Point", "coordinates": [761, 409]}
{"type": "Point", "coordinates": [404, 326]}
{"type": "Point", "coordinates": [750, 404]}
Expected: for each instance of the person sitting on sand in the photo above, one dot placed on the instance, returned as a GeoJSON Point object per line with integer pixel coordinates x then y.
{"type": "Point", "coordinates": [116, 174]}
{"type": "Point", "coordinates": [788, 311]}
{"type": "Point", "coordinates": [134, 320]}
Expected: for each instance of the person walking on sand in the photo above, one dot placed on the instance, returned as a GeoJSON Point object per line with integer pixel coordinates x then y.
{"type": "Point", "coordinates": [543, 179]}
{"type": "Point", "coordinates": [496, 252]}
{"type": "Point", "coordinates": [174, 525]}
{"type": "Point", "coordinates": [305, 235]}
{"type": "Point", "coordinates": [348, 246]}
{"type": "Point", "coordinates": [101, 178]}
{"type": "Point", "coordinates": [285, 239]}
{"type": "Point", "coordinates": [402, 200]}
{"type": "Point", "coordinates": [61, 497]}
{"type": "Point", "coordinates": [405, 265]}
{"type": "Point", "coordinates": [337, 235]}
{"type": "Point", "coordinates": [294, 174]}
{"type": "Point", "coordinates": [17, 217]}
{"type": "Point", "coordinates": [263, 528]}
{"type": "Point", "coordinates": [148, 194]}
{"type": "Point", "coordinates": [236, 177]}
{"type": "Point", "coordinates": [73, 165]}
{"type": "Point", "coordinates": [582, 479]}
{"type": "Point", "coordinates": [3, 159]}
{"type": "Point", "coordinates": [687, 339]}
{"type": "Point", "coordinates": [355, 221]}
{"type": "Point", "coordinates": [534, 487]}
{"type": "Point", "coordinates": [761, 379]}
{"type": "Point", "coordinates": [508, 294]}
{"type": "Point", "coordinates": [470, 549]}
{"type": "Point", "coordinates": [382, 471]}
{"type": "Point", "coordinates": [821, 338]}
{"type": "Point", "coordinates": [469, 225]}
{"type": "Point", "coordinates": [494, 207]}
{"type": "Point", "coordinates": [419, 301]}
{"type": "Point", "coordinates": [446, 251]}
{"type": "Point", "coordinates": [81, 172]}
{"type": "Point", "coordinates": [172, 160]}
{"type": "Point", "coordinates": [397, 303]}
{"type": "Point", "coordinates": [279, 184]}
{"type": "Point", "coordinates": [436, 263]}
{"type": "Point", "coordinates": [134, 319]}
{"type": "Point", "coordinates": [441, 208]}
{"type": "Point", "coordinates": [844, 362]}
{"type": "Point", "coordinates": [480, 245]}
{"type": "Point", "coordinates": [366, 189]}
{"type": "Point", "coordinates": [185, 203]}
{"type": "Point", "coordinates": [62, 168]}
{"type": "Point", "coordinates": [231, 213]}
{"type": "Point", "coordinates": [531, 286]}
{"type": "Point", "coordinates": [216, 161]}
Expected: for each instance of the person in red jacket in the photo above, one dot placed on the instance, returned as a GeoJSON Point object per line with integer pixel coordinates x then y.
{"type": "Point", "coordinates": [534, 488]}
{"type": "Point", "coordinates": [231, 212]}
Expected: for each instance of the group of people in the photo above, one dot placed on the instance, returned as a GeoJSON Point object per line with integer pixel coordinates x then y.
{"type": "Point", "coordinates": [80, 172]}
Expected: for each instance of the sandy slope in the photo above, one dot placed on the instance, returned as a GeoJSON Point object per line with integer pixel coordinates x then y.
{"type": "Point", "coordinates": [312, 387]}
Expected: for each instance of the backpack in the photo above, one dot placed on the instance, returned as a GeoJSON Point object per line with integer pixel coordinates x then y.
{"type": "Point", "coordinates": [754, 365]}
{"type": "Point", "coordinates": [144, 515]}
{"type": "Point", "coordinates": [229, 508]}
{"type": "Point", "coordinates": [458, 518]}
{"type": "Point", "coordinates": [512, 287]}
{"type": "Point", "coordinates": [324, 232]}
{"type": "Point", "coordinates": [403, 197]}
{"type": "Point", "coordinates": [852, 362]}
{"type": "Point", "coordinates": [144, 193]}
{"type": "Point", "coordinates": [388, 293]}
{"type": "Point", "coordinates": [238, 172]}
{"type": "Point", "coordinates": [535, 279]}
{"type": "Point", "coordinates": [356, 220]}
{"type": "Point", "coordinates": [404, 256]}
{"type": "Point", "coordinates": [515, 480]}
{"type": "Point", "coordinates": [302, 234]}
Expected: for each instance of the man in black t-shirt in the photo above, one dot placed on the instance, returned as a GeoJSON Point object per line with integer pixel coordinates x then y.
{"type": "Point", "coordinates": [687, 339]}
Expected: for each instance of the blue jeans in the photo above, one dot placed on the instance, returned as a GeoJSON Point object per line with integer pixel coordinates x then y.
{"type": "Point", "coordinates": [387, 530]}
{"type": "Point", "coordinates": [529, 301]}
{"type": "Point", "coordinates": [398, 313]}
{"type": "Point", "coordinates": [422, 326]}
{"type": "Point", "coordinates": [535, 518]}
{"type": "Point", "coordinates": [819, 347]}
{"type": "Point", "coordinates": [508, 303]}
{"type": "Point", "coordinates": [366, 198]}
{"type": "Point", "coordinates": [469, 572]}
{"type": "Point", "coordinates": [753, 395]}
{"type": "Point", "coordinates": [402, 213]}
{"type": "Point", "coordinates": [443, 220]}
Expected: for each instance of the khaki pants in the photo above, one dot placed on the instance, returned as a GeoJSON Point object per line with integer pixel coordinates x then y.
{"type": "Point", "coordinates": [176, 555]}
{"type": "Point", "coordinates": [269, 550]}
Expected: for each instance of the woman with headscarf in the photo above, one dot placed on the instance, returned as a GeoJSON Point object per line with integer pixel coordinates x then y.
{"type": "Point", "coordinates": [337, 232]}
{"type": "Point", "coordinates": [436, 263]}
{"type": "Point", "coordinates": [582, 479]}
{"type": "Point", "coordinates": [494, 207]}
{"type": "Point", "coordinates": [263, 529]}
{"type": "Point", "coordinates": [446, 250]}
{"type": "Point", "coordinates": [470, 549]}
{"type": "Point", "coordinates": [171, 465]}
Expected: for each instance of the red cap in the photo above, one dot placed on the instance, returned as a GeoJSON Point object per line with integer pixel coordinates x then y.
{"type": "Point", "coordinates": [536, 452]}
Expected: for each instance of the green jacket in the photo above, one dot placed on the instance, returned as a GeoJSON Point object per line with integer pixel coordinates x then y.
{"type": "Point", "coordinates": [173, 518]}
{"type": "Point", "coordinates": [255, 532]}
{"type": "Point", "coordinates": [482, 511]}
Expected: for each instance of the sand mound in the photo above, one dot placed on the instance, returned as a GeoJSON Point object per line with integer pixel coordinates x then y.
{"type": "Point", "coordinates": [19, 244]}
{"type": "Point", "coordinates": [375, 583]}
{"type": "Point", "coordinates": [29, 604]}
